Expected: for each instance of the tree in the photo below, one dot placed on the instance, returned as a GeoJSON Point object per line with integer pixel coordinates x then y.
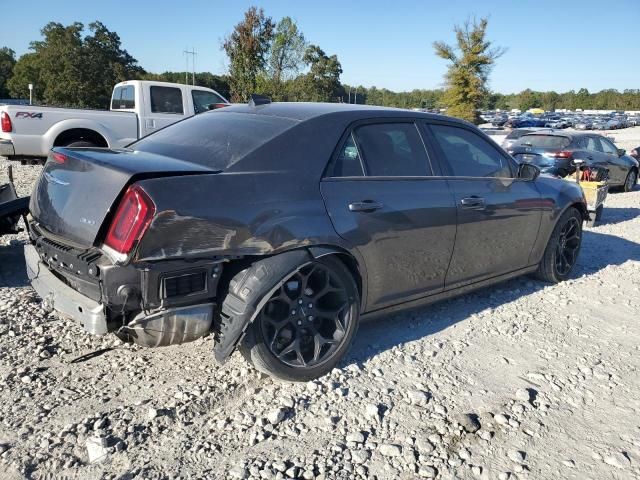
{"type": "Point", "coordinates": [322, 82]}
{"type": "Point", "coordinates": [7, 61]}
{"type": "Point", "coordinates": [471, 63]}
{"type": "Point", "coordinates": [247, 48]}
{"type": "Point", "coordinates": [67, 69]}
{"type": "Point", "coordinates": [287, 51]}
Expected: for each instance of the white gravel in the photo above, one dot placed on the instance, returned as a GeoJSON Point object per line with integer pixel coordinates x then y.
{"type": "Point", "coordinates": [522, 380]}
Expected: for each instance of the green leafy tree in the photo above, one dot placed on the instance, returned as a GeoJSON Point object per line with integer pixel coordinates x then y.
{"type": "Point", "coordinates": [247, 48]}
{"type": "Point", "coordinates": [322, 82]}
{"type": "Point", "coordinates": [471, 61]}
{"type": "Point", "coordinates": [287, 51]}
{"type": "Point", "coordinates": [69, 69]}
{"type": "Point", "coordinates": [7, 61]}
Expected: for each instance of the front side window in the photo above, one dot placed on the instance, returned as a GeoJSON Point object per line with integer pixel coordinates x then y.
{"type": "Point", "coordinates": [166, 100]}
{"type": "Point", "coordinates": [593, 145]}
{"type": "Point", "coordinates": [469, 155]}
{"type": "Point", "coordinates": [203, 99]}
{"type": "Point", "coordinates": [392, 150]}
{"type": "Point", "coordinates": [123, 98]}
{"type": "Point", "coordinates": [608, 147]}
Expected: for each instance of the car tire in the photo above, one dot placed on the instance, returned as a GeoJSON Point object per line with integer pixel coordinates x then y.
{"type": "Point", "coordinates": [630, 181]}
{"type": "Point", "coordinates": [562, 251]}
{"type": "Point", "coordinates": [81, 143]}
{"type": "Point", "coordinates": [269, 339]}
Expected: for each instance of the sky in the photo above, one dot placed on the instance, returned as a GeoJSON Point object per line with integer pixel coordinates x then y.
{"type": "Point", "coordinates": [551, 45]}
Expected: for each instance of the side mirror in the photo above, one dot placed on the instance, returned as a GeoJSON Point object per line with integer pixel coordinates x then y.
{"type": "Point", "coordinates": [527, 171]}
{"type": "Point", "coordinates": [621, 152]}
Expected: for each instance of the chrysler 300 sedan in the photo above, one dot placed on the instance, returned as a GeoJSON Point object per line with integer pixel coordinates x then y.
{"type": "Point", "coordinates": [277, 227]}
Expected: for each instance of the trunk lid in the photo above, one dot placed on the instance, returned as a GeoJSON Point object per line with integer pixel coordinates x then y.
{"type": "Point", "coordinates": [76, 191]}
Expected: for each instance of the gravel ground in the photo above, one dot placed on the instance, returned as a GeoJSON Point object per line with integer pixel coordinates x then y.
{"type": "Point", "coordinates": [519, 381]}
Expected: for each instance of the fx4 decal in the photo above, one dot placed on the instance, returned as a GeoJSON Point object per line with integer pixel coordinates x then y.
{"type": "Point", "coordinates": [28, 114]}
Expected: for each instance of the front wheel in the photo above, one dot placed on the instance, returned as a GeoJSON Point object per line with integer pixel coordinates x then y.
{"type": "Point", "coordinates": [307, 324]}
{"type": "Point", "coordinates": [563, 248]}
{"type": "Point", "coordinates": [630, 182]}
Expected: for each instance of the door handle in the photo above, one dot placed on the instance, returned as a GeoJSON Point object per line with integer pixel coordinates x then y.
{"type": "Point", "coordinates": [472, 203]}
{"type": "Point", "coordinates": [365, 206]}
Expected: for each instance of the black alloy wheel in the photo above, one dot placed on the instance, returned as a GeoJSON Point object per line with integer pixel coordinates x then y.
{"type": "Point", "coordinates": [568, 246]}
{"type": "Point", "coordinates": [305, 321]}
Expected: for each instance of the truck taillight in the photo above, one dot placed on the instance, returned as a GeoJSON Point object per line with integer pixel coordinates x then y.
{"type": "Point", "coordinates": [131, 220]}
{"type": "Point", "coordinates": [5, 121]}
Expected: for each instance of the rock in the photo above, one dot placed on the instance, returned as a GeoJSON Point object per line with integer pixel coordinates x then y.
{"type": "Point", "coordinates": [618, 460]}
{"type": "Point", "coordinates": [152, 413]}
{"type": "Point", "coordinates": [469, 421]}
{"type": "Point", "coordinates": [476, 470]}
{"type": "Point", "coordinates": [355, 437]}
{"type": "Point", "coordinates": [25, 379]}
{"type": "Point", "coordinates": [418, 397]}
{"type": "Point", "coordinates": [277, 415]}
{"type": "Point", "coordinates": [424, 446]}
{"type": "Point", "coordinates": [239, 471]}
{"type": "Point", "coordinates": [372, 410]}
{"type": "Point", "coordinates": [390, 450]}
{"type": "Point", "coordinates": [524, 395]}
{"type": "Point", "coordinates": [360, 456]}
{"type": "Point", "coordinates": [100, 423]}
{"type": "Point", "coordinates": [501, 419]}
{"type": "Point", "coordinates": [516, 455]}
{"type": "Point", "coordinates": [504, 475]}
{"type": "Point", "coordinates": [97, 449]}
{"type": "Point", "coordinates": [427, 471]}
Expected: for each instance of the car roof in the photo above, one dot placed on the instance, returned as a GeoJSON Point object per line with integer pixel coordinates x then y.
{"type": "Point", "coordinates": [303, 111]}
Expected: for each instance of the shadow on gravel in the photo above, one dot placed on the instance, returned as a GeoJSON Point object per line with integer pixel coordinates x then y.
{"type": "Point", "coordinates": [12, 269]}
{"type": "Point", "coordinates": [598, 251]}
{"type": "Point", "coordinates": [612, 215]}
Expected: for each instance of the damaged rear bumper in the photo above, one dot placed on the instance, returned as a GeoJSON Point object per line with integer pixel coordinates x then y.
{"type": "Point", "coordinates": [165, 327]}
{"type": "Point", "coordinates": [56, 295]}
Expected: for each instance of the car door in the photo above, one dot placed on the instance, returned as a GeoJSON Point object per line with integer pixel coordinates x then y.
{"type": "Point", "coordinates": [498, 214]}
{"type": "Point", "coordinates": [617, 166]}
{"type": "Point", "coordinates": [164, 106]}
{"type": "Point", "coordinates": [382, 197]}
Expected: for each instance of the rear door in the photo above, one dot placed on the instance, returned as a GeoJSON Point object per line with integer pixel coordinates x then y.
{"type": "Point", "coordinates": [498, 214]}
{"type": "Point", "coordinates": [163, 106]}
{"type": "Point", "coordinates": [383, 198]}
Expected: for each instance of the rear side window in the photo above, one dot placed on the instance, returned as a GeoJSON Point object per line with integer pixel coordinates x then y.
{"type": "Point", "coordinates": [392, 150]}
{"type": "Point", "coordinates": [607, 147]}
{"type": "Point", "coordinates": [348, 162]}
{"type": "Point", "coordinates": [545, 141]}
{"type": "Point", "coordinates": [202, 99]}
{"type": "Point", "coordinates": [214, 139]}
{"type": "Point", "coordinates": [123, 98]}
{"type": "Point", "coordinates": [166, 100]}
{"type": "Point", "coordinates": [470, 155]}
{"type": "Point", "coordinates": [592, 144]}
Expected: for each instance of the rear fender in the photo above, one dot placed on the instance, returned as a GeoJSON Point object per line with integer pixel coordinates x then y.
{"type": "Point", "coordinates": [46, 143]}
{"type": "Point", "coordinates": [247, 293]}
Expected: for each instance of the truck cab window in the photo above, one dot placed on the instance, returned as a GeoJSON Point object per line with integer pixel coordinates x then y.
{"type": "Point", "coordinates": [202, 99]}
{"type": "Point", "coordinates": [123, 98]}
{"type": "Point", "coordinates": [166, 100]}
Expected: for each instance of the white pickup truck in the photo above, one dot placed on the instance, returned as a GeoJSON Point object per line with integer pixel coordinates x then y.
{"type": "Point", "coordinates": [138, 108]}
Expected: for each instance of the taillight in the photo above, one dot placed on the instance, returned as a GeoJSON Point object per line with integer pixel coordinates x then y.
{"type": "Point", "coordinates": [133, 216]}
{"type": "Point", "coordinates": [58, 157]}
{"type": "Point", "coordinates": [564, 154]}
{"type": "Point", "coordinates": [5, 121]}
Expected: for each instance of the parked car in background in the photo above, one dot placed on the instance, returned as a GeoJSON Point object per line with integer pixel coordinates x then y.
{"type": "Point", "coordinates": [583, 124]}
{"type": "Point", "coordinates": [635, 153]}
{"type": "Point", "coordinates": [499, 120]}
{"type": "Point", "coordinates": [599, 124]}
{"type": "Point", "coordinates": [138, 108]}
{"type": "Point", "coordinates": [554, 153]}
{"type": "Point", "coordinates": [525, 121]}
{"type": "Point", "coordinates": [384, 210]}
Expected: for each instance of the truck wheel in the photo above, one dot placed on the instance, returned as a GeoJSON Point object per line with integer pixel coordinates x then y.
{"type": "Point", "coordinates": [81, 143]}
{"type": "Point", "coordinates": [307, 324]}
{"type": "Point", "coordinates": [563, 248]}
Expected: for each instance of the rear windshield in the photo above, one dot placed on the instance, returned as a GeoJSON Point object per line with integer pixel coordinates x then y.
{"type": "Point", "coordinates": [214, 139]}
{"type": "Point", "coordinates": [545, 141]}
{"type": "Point", "coordinates": [517, 134]}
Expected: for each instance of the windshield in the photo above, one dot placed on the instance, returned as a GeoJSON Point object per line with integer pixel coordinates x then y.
{"type": "Point", "coordinates": [215, 139]}
{"type": "Point", "coordinates": [545, 141]}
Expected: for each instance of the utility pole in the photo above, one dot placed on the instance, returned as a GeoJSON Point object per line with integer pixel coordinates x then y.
{"type": "Point", "coordinates": [193, 63]}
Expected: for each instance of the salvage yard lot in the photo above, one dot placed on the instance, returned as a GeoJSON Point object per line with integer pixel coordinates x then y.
{"type": "Point", "coordinates": [550, 375]}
